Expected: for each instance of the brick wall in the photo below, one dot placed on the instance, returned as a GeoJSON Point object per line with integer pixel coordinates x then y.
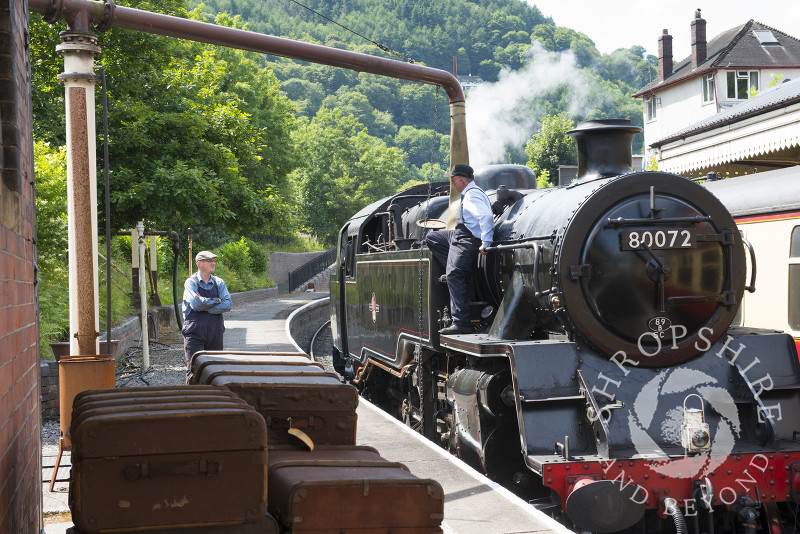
{"type": "Point", "coordinates": [20, 465]}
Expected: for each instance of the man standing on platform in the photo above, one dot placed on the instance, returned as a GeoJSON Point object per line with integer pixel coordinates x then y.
{"type": "Point", "coordinates": [205, 298]}
{"type": "Point", "coordinates": [457, 249]}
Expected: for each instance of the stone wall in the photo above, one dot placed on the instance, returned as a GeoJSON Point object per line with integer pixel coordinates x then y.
{"type": "Point", "coordinates": [282, 263]}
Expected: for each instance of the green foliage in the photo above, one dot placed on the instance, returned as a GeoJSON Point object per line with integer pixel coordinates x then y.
{"type": "Point", "coordinates": [552, 147]}
{"type": "Point", "coordinates": [343, 169]}
{"type": "Point", "coordinates": [199, 136]}
{"type": "Point", "coordinates": [236, 256]}
{"type": "Point", "coordinates": [50, 166]}
{"type": "Point", "coordinates": [543, 180]}
{"type": "Point", "coordinates": [259, 256]}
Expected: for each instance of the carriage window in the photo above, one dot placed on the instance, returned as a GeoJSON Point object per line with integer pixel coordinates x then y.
{"type": "Point", "coordinates": [794, 280]}
{"type": "Point", "coordinates": [794, 249]}
{"type": "Point", "coordinates": [794, 296]}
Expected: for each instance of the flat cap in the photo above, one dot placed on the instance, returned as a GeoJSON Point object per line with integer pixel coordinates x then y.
{"type": "Point", "coordinates": [462, 170]}
{"type": "Point", "coordinates": [205, 255]}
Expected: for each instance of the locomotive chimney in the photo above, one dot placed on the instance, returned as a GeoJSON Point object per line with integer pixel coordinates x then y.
{"type": "Point", "coordinates": [605, 148]}
{"type": "Point", "coordinates": [664, 56]}
{"type": "Point", "coordinates": [699, 51]}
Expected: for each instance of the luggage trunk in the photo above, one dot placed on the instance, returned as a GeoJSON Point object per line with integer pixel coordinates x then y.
{"type": "Point", "coordinates": [157, 463]}
{"type": "Point", "coordinates": [266, 525]}
{"type": "Point", "coordinates": [200, 360]}
{"type": "Point", "coordinates": [352, 489]}
{"type": "Point", "coordinates": [208, 372]}
{"type": "Point", "coordinates": [318, 405]}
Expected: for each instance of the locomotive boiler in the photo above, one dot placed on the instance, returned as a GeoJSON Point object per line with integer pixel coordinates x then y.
{"type": "Point", "coordinates": [602, 381]}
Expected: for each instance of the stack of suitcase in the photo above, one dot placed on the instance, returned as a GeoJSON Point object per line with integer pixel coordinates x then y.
{"type": "Point", "coordinates": [335, 486]}
{"type": "Point", "coordinates": [168, 460]}
{"type": "Point", "coordinates": [257, 437]}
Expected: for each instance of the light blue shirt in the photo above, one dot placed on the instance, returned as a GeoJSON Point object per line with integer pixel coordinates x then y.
{"type": "Point", "coordinates": [476, 212]}
{"type": "Point", "coordinates": [194, 301]}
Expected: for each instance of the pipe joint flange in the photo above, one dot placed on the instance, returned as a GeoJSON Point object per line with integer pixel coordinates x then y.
{"type": "Point", "coordinates": [65, 77]}
{"type": "Point", "coordinates": [78, 42]}
{"type": "Point", "coordinates": [108, 16]}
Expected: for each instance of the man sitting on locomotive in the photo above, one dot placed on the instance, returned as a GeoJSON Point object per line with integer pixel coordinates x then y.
{"type": "Point", "coordinates": [457, 249]}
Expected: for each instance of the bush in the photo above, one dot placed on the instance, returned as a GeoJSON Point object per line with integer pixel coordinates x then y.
{"type": "Point", "coordinates": [259, 257]}
{"type": "Point", "coordinates": [236, 256]}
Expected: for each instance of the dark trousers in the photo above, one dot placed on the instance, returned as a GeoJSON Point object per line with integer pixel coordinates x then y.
{"type": "Point", "coordinates": [456, 250]}
{"type": "Point", "coordinates": [204, 332]}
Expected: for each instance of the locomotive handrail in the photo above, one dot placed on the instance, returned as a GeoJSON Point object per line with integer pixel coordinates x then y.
{"type": "Point", "coordinates": [551, 237]}
{"type": "Point", "coordinates": [511, 247]}
{"type": "Point", "coordinates": [752, 286]}
{"type": "Point", "coordinates": [621, 221]}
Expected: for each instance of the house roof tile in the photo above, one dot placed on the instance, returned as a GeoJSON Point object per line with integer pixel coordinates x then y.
{"type": "Point", "coordinates": [732, 49]}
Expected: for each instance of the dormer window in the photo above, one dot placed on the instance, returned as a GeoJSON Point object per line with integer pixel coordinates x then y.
{"type": "Point", "coordinates": [766, 38]}
{"type": "Point", "coordinates": [740, 82]}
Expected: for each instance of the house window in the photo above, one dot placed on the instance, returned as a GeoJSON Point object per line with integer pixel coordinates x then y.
{"type": "Point", "coordinates": [708, 88]}
{"type": "Point", "coordinates": [740, 82]}
{"type": "Point", "coordinates": [650, 108]}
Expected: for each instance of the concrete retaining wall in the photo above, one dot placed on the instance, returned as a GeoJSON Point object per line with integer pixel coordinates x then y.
{"type": "Point", "coordinates": [304, 322]}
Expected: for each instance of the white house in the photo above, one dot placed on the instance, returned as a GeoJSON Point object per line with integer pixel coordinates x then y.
{"type": "Point", "coordinates": [719, 74]}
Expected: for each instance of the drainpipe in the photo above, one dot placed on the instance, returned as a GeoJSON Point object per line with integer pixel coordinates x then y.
{"type": "Point", "coordinates": [79, 48]}
{"type": "Point", "coordinates": [104, 15]}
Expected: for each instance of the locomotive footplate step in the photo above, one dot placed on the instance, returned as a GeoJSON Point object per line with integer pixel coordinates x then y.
{"type": "Point", "coordinates": [473, 503]}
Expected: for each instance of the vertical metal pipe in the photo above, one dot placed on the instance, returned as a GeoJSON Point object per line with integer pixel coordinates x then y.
{"type": "Point", "coordinates": [143, 297]}
{"type": "Point", "coordinates": [154, 270]}
{"type": "Point", "coordinates": [135, 269]}
{"type": "Point", "coordinates": [459, 153]}
{"type": "Point", "coordinates": [108, 212]}
{"type": "Point", "coordinates": [79, 50]}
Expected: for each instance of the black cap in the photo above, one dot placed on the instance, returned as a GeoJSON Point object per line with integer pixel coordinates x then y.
{"type": "Point", "coordinates": [462, 170]}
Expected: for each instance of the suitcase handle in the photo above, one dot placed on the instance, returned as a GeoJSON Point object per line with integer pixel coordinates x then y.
{"type": "Point", "coordinates": [138, 471]}
{"type": "Point", "coordinates": [309, 422]}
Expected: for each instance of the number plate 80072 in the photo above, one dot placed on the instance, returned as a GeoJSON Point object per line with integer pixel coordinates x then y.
{"type": "Point", "coordinates": [657, 239]}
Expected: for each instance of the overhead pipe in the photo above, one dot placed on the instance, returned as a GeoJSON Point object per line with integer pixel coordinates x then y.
{"type": "Point", "coordinates": [80, 14]}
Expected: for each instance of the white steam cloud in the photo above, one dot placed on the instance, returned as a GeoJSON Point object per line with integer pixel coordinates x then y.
{"type": "Point", "coordinates": [504, 114]}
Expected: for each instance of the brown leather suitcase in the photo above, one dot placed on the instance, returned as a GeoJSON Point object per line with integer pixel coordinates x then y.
{"type": "Point", "coordinates": [165, 465]}
{"type": "Point", "coordinates": [350, 489]}
{"type": "Point", "coordinates": [266, 525]}
{"type": "Point", "coordinates": [320, 406]}
{"type": "Point", "coordinates": [244, 362]}
{"type": "Point", "coordinates": [94, 395]}
{"type": "Point", "coordinates": [212, 370]}
{"type": "Point", "coordinates": [202, 356]}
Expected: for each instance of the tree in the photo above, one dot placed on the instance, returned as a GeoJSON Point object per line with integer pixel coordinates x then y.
{"type": "Point", "coordinates": [342, 170]}
{"type": "Point", "coordinates": [552, 147]}
{"type": "Point", "coordinates": [198, 136]}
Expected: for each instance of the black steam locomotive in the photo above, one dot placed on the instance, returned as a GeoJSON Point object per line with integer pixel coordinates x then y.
{"type": "Point", "coordinates": [602, 380]}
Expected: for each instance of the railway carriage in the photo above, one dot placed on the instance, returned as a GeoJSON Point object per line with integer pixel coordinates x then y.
{"type": "Point", "coordinates": [766, 208]}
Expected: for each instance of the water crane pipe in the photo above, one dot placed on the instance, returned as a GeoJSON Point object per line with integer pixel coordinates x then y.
{"type": "Point", "coordinates": [81, 14]}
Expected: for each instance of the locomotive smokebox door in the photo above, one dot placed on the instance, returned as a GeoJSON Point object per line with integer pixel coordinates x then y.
{"type": "Point", "coordinates": [629, 261]}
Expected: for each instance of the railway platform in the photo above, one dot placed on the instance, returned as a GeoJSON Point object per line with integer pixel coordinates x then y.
{"type": "Point", "coordinates": [473, 503]}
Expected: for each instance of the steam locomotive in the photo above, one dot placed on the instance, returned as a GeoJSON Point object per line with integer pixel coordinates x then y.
{"type": "Point", "coordinates": [603, 380]}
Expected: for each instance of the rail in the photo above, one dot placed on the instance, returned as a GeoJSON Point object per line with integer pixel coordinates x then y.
{"type": "Point", "coordinates": [308, 270]}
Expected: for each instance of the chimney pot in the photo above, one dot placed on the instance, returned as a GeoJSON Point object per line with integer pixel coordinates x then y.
{"type": "Point", "coordinates": [699, 48]}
